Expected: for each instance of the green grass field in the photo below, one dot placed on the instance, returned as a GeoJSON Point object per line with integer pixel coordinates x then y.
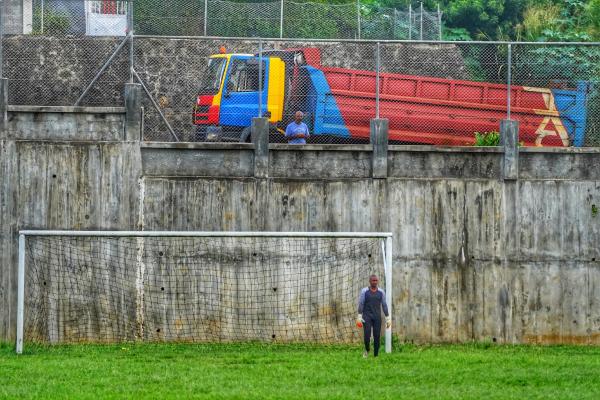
{"type": "Point", "coordinates": [254, 371]}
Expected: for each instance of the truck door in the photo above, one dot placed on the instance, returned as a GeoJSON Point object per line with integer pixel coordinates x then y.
{"type": "Point", "coordinates": [240, 93]}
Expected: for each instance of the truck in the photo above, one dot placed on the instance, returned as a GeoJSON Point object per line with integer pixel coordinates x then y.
{"type": "Point", "coordinates": [339, 103]}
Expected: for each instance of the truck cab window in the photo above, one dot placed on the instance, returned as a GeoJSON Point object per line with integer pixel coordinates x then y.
{"type": "Point", "coordinates": [244, 76]}
{"type": "Point", "coordinates": [211, 80]}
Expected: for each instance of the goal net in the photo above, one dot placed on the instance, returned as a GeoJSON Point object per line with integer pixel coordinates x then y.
{"type": "Point", "coordinates": [107, 287]}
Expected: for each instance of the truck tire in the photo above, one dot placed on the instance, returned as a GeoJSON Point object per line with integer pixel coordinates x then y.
{"type": "Point", "coordinates": [200, 134]}
{"type": "Point", "coordinates": [245, 135]}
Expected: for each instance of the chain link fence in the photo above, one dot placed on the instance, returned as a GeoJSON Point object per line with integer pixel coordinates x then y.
{"type": "Point", "coordinates": [224, 18]}
{"type": "Point", "coordinates": [431, 93]}
{"type": "Point", "coordinates": [567, 78]}
{"type": "Point", "coordinates": [202, 88]}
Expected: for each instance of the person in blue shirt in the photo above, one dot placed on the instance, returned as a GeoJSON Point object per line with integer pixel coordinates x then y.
{"type": "Point", "coordinates": [297, 131]}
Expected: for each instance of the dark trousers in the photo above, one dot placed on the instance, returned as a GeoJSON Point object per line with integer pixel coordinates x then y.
{"type": "Point", "coordinates": [375, 324]}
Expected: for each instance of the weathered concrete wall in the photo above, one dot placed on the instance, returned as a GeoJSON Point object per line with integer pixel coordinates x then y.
{"type": "Point", "coordinates": [475, 257]}
{"type": "Point", "coordinates": [71, 177]}
{"type": "Point", "coordinates": [14, 18]}
{"type": "Point", "coordinates": [73, 123]}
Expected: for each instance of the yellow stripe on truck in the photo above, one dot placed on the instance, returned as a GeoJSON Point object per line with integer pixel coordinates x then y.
{"type": "Point", "coordinates": [217, 97]}
{"type": "Point", "coordinates": [276, 89]}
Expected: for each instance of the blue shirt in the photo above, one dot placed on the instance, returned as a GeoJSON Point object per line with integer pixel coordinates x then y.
{"type": "Point", "coordinates": [293, 129]}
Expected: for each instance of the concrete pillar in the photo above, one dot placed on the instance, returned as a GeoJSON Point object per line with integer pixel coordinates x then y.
{"type": "Point", "coordinates": [509, 140]}
{"type": "Point", "coordinates": [3, 105]}
{"type": "Point", "coordinates": [133, 111]}
{"type": "Point", "coordinates": [379, 140]}
{"type": "Point", "coordinates": [260, 138]}
{"type": "Point", "coordinates": [27, 17]}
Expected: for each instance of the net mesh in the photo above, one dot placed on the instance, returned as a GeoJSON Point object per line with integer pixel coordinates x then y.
{"type": "Point", "coordinates": [196, 289]}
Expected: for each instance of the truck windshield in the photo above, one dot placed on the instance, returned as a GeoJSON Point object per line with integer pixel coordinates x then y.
{"type": "Point", "coordinates": [211, 81]}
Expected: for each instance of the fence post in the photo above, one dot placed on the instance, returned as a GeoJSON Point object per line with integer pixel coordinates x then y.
{"type": "Point", "coordinates": [3, 80]}
{"type": "Point", "coordinates": [133, 111]}
{"type": "Point", "coordinates": [379, 141]}
{"type": "Point", "coordinates": [410, 22]}
{"type": "Point", "coordinates": [377, 74]}
{"type": "Point", "coordinates": [2, 11]}
{"type": "Point", "coordinates": [260, 80]}
{"type": "Point", "coordinates": [358, 16]}
{"type": "Point", "coordinates": [130, 23]}
{"type": "Point", "coordinates": [3, 104]}
{"type": "Point", "coordinates": [509, 140]}
{"type": "Point", "coordinates": [509, 129]}
{"type": "Point", "coordinates": [281, 21]}
{"type": "Point", "coordinates": [205, 17]}
{"type": "Point", "coordinates": [394, 24]}
{"type": "Point", "coordinates": [439, 15]}
{"type": "Point", "coordinates": [421, 27]}
{"type": "Point", "coordinates": [259, 133]}
{"type": "Point", "coordinates": [27, 17]}
{"type": "Point", "coordinates": [508, 80]}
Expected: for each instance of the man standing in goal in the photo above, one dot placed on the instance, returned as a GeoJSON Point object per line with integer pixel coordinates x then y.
{"type": "Point", "coordinates": [370, 303]}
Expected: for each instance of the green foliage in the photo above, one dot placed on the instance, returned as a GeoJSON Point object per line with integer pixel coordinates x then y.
{"type": "Point", "coordinates": [483, 19]}
{"type": "Point", "coordinates": [255, 371]}
{"type": "Point", "coordinates": [487, 139]}
{"type": "Point", "coordinates": [455, 34]}
{"type": "Point", "coordinates": [177, 17]}
{"type": "Point", "coordinates": [593, 18]}
{"type": "Point", "coordinates": [322, 21]}
{"type": "Point", "coordinates": [54, 23]}
{"type": "Point", "coordinates": [567, 20]}
{"type": "Point", "coordinates": [477, 16]}
{"type": "Point", "coordinates": [542, 65]}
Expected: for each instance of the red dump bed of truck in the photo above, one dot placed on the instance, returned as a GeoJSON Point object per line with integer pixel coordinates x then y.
{"type": "Point", "coordinates": [442, 111]}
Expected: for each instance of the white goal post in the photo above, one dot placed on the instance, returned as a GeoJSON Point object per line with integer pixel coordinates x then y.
{"type": "Point", "coordinates": [54, 253]}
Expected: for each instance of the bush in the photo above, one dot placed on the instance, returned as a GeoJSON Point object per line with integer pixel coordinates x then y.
{"type": "Point", "coordinates": [487, 139]}
{"type": "Point", "coordinates": [54, 23]}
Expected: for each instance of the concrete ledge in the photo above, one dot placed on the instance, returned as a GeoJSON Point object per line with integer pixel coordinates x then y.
{"type": "Point", "coordinates": [569, 164]}
{"type": "Point", "coordinates": [65, 123]}
{"type": "Point", "coordinates": [320, 163]}
{"type": "Point", "coordinates": [355, 161]}
{"type": "Point", "coordinates": [67, 109]}
{"type": "Point", "coordinates": [215, 162]}
{"type": "Point", "coordinates": [446, 149]}
{"type": "Point", "coordinates": [320, 147]}
{"type": "Point", "coordinates": [561, 150]}
{"type": "Point", "coordinates": [445, 163]}
{"type": "Point", "coordinates": [197, 146]}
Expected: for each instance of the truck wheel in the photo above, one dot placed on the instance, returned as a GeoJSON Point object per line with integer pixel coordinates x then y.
{"type": "Point", "coordinates": [245, 135]}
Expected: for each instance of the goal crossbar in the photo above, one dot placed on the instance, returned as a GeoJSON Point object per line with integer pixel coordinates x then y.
{"type": "Point", "coordinates": [206, 234]}
{"type": "Point", "coordinates": [385, 236]}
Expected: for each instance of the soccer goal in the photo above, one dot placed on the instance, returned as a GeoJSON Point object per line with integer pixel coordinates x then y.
{"type": "Point", "coordinates": [117, 286]}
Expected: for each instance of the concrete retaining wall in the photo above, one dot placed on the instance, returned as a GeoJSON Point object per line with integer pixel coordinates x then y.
{"type": "Point", "coordinates": [475, 257]}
